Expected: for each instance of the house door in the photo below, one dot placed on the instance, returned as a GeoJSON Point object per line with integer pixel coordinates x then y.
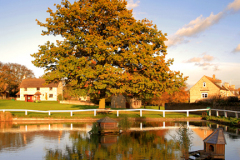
{"type": "Point", "coordinates": [30, 98]}
{"type": "Point", "coordinates": [127, 105]}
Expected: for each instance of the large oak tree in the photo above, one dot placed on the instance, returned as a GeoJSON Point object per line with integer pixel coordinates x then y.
{"type": "Point", "coordinates": [106, 51]}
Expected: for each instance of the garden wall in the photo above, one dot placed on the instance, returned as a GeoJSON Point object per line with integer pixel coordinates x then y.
{"type": "Point", "coordinates": [185, 106]}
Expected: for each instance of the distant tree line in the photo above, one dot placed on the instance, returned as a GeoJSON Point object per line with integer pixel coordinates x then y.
{"type": "Point", "coordinates": [11, 75]}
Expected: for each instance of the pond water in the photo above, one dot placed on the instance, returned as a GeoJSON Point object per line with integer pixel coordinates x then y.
{"type": "Point", "coordinates": [150, 140]}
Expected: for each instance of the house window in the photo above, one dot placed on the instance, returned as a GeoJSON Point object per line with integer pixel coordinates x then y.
{"type": "Point", "coordinates": [204, 95]}
{"type": "Point", "coordinates": [25, 89]}
{"type": "Point", "coordinates": [204, 84]}
{"type": "Point", "coordinates": [50, 95]}
{"type": "Point", "coordinates": [50, 88]}
{"type": "Point", "coordinates": [38, 88]}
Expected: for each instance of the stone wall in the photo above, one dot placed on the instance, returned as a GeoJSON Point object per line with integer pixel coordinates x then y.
{"type": "Point", "coordinates": [185, 106]}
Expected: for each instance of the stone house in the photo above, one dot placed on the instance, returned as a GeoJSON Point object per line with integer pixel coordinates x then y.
{"type": "Point", "coordinates": [207, 87]}
{"type": "Point", "coordinates": [121, 101]}
{"type": "Point", "coordinates": [36, 89]}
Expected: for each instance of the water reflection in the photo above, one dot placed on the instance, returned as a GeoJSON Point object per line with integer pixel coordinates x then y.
{"type": "Point", "coordinates": [131, 145]}
{"type": "Point", "coordinates": [72, 140]}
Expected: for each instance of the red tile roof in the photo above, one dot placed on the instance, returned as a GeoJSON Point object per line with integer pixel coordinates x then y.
{"type": "Point", "coordinates": [215, 81]}
{"type": "Point", "coordinates": [33, 83]}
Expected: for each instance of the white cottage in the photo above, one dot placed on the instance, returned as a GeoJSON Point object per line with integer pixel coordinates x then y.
{"type": "Point", "coordinates": [36, 89]}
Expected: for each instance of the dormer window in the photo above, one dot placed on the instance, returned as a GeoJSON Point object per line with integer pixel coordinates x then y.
{"type": "Point", "coordinates": [204, 84]}
{"type": "Point", "coordinates": [204, 95]}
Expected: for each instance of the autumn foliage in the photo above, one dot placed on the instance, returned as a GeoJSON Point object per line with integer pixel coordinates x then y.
{"type": "Point", "coordinates": [11, 75]}
{"type": "Point", "coordinates": [106, 51]}
{"type": "Point", "coordinates": [180, 96]}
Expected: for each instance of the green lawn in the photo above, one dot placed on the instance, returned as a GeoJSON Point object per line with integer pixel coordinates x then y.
{"type": "Point", "coordinates": [49, 105]}
{"type": "Point", "coordinates": [8, 104]}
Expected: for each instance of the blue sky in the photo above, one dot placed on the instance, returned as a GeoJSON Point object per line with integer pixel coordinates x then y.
{"type": "Point", "coordinates": [203, 36]}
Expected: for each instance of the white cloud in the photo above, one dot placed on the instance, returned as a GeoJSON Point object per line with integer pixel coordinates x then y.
{"type": "Point", "coordinates": [131, 4]}
{"type": "Point", "coordinates": [194, 59]}
{"type": "Point", "coordinates": [235, 5]}
{"type": "Point", "coordinates": [204, 62]}
{"type": "Point", "coordinates": [237, 49]}
{"type": "Point", "coordinates": [204, 58]}
{"type": "Point", "coordinates": [200, 24]}
{"type": "Point", "coordinates": [208, 58]}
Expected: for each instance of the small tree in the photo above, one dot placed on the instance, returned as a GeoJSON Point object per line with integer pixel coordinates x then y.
{"type": "Point", "coordinates": [180, 96]}
{"type": "Point", "coordinates": [183, 140]}
{"type": "Point", "coordinates": [106, 51]}
{"type": "Point", "coordinates": [11, 75]}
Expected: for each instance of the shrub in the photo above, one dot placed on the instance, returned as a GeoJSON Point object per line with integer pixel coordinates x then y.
{"type": "Point", "coordinates": [208, 118]}
{"type": "Point", "coordinates": [125, 124]}
{"type": "Point", "coordinates": [95, 129]}
{"type": "Point", "coordinates": [204, 115]}
{"type": "Point", "coordinates": [59, 97]}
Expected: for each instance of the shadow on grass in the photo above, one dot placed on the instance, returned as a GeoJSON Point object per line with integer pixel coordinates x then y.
{"type": "Point", "coordinates": [84, 107]}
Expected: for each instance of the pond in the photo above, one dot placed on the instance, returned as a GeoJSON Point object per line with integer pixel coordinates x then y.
{"type": "Point", "coordinates": [148, 140]}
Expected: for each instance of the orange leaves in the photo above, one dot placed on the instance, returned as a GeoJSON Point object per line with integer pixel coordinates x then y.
{"type": "Point", "coordinates": [93, 62]}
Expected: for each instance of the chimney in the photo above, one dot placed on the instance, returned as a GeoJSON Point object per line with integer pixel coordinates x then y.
{"type": "Point", "coordinates": [213, 77]}
{"type": "Point", "coordinates": [233, 86]}
{"type": "Point", "coordinates": [226, 85]}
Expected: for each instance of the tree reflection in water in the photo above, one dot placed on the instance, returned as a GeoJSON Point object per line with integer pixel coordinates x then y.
{"type": "Point", "coordinates": [130, 145]}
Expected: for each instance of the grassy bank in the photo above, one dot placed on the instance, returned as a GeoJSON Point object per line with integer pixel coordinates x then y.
{"type": "Point", "coordinates": [8, 104]}
{"type": "Point", "coordinates": [224, 120]}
